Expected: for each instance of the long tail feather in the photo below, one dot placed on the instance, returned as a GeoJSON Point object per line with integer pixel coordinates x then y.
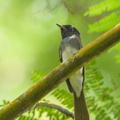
{"type": "Point", "coordinates": [80, 108]}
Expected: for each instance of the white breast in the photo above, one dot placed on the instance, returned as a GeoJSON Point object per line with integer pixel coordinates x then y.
{"type": "Point", "coordinates": [76, 79]}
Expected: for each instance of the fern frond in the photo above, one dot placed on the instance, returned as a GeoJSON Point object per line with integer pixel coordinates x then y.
{"type": "Point", "coordinates": [101, 102]}
{"type": "Point", "coordinates": [24, 117]}
{"type": "Point", "coordinates": [5, 102]}
{"type": "Point", "coordinates": [37, 75]}
{"type": "Point", "coordinates": [104, 23]}
{"type": "Point", "coordinates": [106, 5]}
{"type": "Point", "coordinates": [64, 97]}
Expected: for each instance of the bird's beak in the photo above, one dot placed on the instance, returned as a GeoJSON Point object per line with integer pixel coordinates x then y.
{"type": "Point", "coordinates": [61, 26]}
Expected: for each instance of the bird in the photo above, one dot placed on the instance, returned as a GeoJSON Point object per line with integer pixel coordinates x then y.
{"type": "Point", "coordinates": [70, 44]}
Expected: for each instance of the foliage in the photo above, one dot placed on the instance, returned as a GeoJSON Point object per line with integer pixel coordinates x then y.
{"type": "Point", "coordinates": [109, 9]}
{"type": "Point", "coordinates": [105, 15]}
{"type": "Point", "coordinates": [37, 75]}
{"type": "Point", "coordinates": [5, 102]}
{"type": "Point", "coordinates": [100, 100]}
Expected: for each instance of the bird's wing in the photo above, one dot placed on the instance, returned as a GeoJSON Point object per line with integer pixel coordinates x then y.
{"type": "Point", "coordinates": [61, 60]}
{"type": "Point", "coordinates": [60, 53]}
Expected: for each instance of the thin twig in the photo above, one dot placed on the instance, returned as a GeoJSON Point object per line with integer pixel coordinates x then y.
{"type": "Point", "coordinates": [54, 106]}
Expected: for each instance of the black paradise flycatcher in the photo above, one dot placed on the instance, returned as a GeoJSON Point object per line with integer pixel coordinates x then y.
{"type": "Point", "coordinates": [70, 44]}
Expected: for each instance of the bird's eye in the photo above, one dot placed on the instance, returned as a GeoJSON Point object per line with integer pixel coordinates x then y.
{"type": "Point", "coordinates": [71, 29]}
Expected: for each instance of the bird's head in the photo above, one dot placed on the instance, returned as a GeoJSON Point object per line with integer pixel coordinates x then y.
{"type": "Point", "coordinates": [68, 30]}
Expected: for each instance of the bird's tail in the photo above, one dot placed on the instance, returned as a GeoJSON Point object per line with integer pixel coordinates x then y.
{"type": "Point", "coordinates": [80, 108]}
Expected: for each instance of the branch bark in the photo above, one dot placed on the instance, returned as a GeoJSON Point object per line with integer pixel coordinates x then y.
{"type": "Point", "coordinates": [60, 73]}
{"type": "Point", "coordinates": [54, 106]}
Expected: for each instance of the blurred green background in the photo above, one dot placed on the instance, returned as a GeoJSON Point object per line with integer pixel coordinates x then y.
{"type": "Point", "coordinates": [30, 39]}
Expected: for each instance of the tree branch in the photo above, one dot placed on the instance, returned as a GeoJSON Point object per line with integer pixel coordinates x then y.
{"type": "Point", "coordinates": [60, 73]}
{"type": "Point", "coordinates": [54, 106]}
